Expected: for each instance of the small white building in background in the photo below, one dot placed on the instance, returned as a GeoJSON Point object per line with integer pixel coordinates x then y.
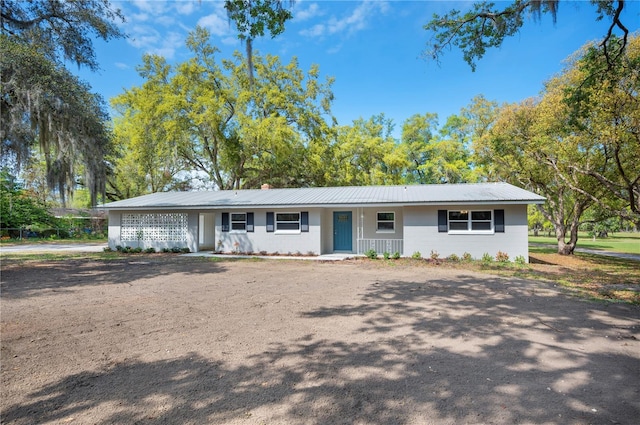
{"type": "Point", "coordinates": [447, 218]}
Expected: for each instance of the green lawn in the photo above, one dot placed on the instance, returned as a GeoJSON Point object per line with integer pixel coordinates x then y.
{"type": "Point", "coordinates": [620, 242]}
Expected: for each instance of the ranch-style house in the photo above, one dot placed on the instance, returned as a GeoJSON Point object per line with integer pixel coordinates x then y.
{"type": "Point", "coordinates": [445, 218]}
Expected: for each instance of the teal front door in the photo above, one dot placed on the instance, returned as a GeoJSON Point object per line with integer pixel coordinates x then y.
{"type": "Point", "coordinates": [342, 240]}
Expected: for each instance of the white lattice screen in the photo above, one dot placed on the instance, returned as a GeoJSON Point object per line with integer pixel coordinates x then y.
{"type": "Point", "coordinates": [154, 227]}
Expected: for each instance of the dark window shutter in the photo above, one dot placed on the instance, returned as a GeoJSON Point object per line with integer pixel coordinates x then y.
{"type": "Point", "coordinates": [225, 222]}
{"type": "Point", "coordinates": [270, 227]}
{"type": "Point", "coordinates": [498, 219]}
{"type": "Point", "coordinates": [304, 221]}
{"type": "Point", "coordinates": [442, 221]}
{"type": "Point", "coordinates": [249, 222]}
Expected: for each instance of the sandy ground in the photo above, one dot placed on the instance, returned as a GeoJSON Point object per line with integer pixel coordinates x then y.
{"type": "Point", "coordinates": [164, 339]}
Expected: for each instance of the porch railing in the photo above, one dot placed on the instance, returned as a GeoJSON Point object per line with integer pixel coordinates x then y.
{"type": "Point", "coordinates": [380, 245]}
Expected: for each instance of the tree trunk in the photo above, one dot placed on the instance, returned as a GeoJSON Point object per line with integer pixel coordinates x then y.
{"type": "Point", "coordinates": [567, 248]}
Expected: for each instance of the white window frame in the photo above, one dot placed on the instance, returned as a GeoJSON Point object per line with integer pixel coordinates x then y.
{"type": "Point", "coordinates": [232, 221]}
{"type": "Point", "coordinates": [276, 222]}
{"type": "Point", "coordinates": [378, 221]}
{"type": "Point", "coordinates": [469, 221]}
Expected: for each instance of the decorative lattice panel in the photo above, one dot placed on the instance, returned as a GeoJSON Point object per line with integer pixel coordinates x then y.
{"type": "Point", "coordinates": [154, 227]}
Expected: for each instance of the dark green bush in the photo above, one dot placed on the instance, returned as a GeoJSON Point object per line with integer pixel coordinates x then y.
{"type": "Point", "coordinates": [371, 253]}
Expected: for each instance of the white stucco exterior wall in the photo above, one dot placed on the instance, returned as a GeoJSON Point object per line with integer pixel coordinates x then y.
{"type": "Point", "coordinates": [113, 231]}
{"type": "Point", "coordinates": [416, 226]}
{"type": "Point", "coordinates": [190, 241]}
{"type": "Point", "coordinates": [271, 242]}
{"type": "Point", "coordinates": [421, 233]}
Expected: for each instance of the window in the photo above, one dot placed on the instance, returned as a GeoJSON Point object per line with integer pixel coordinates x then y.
{"type": "Point", "coordinates": [465, 221]}
{"type": "Point", "coordinates": [481, 220]}
{"type": "Point", "coordinates": [287, 222]}
{"type": "Point", "coordinates": [238, 222]}
{"type": "Point", "coordinates": [458, 220]}
{"type": "Point", "coordinates": [385, 222]}
{"type": "Point", "coordinates": [291, 222]}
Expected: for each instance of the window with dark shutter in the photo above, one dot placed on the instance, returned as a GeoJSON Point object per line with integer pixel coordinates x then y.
{"type": "Point", "coordinates": [498, 216]}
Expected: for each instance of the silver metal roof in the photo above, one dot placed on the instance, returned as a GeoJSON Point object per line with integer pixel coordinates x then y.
{"type": "Point", "coordinates": [433, 194]}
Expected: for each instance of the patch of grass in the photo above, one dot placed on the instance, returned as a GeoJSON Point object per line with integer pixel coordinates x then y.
{"type": "Point", "coordinates": [589, 275]}
{"type": "Point", "coordinates": [537, 249]}
{"type": "Point", "coordinates": [54, 241]}
{"type": "Point", "coordinates": [619, 242]}
{"type": "Point", "coordinates": [58, 256]}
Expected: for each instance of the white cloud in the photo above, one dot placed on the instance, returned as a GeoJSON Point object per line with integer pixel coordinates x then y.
{"type": "Point", "coordinates": [121, 65]}
{"type": "Point", "coordinates": [150, 40]}
{"type": "Point", "coordinates": [215, 24]}
{"type": "Point", "coordinates": [186, 7]}
{"type": "Point", "coordinates": [139, 17]}
{"type": "Point", "coordinates": [152, 7]}
{"type": "Point", "coordinates": [357, 20]}
{"type": "Point", "coordinates": [165, 20]}
{"type": "Point", "coordinates": [156, 26]}
{"type": "Point", "coordinates": [230, 41]}
{"type": "Point", "coordinates": [170, 43]}
{"type": "Point", "coordinates": [159, 11]}
{"type": "Point", "coordinates": [143, 36]}
{"type": "Point", "coordinates": [317, 30]}
{"type": "Point", "coordinates": [305, 14]}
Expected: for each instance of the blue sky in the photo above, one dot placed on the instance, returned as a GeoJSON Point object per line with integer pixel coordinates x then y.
{"type": "Point", "coordinates": [373, 49]}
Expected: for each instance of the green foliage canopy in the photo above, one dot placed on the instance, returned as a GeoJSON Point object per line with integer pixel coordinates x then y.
{"type": "Point", "coordinates": [577, 145]}
{"type": "Point", "coordinates": [206, 113]}
{"type": "Point", "coordinates": [253, 17]}
{"type": "Point", "coordinates": [487, 25]}
{"type": "Point", "coordinates": [43, 104]}
{"type": "Point", "coordinates": [18, 208]}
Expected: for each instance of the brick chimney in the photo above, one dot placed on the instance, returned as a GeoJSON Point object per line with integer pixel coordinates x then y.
{"type": "Point", "coordinates": [265, 186]}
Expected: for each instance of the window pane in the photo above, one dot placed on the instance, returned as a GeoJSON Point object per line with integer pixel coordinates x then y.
{"type": "Point", "coordinates": [238, 217]}
{"type": "Point", "coordinates": [288, 217]}
{"type": "Point", "coordinates": [288, 226]}
{"type": "Point", "coordinates": [453, 225]}
{"type": "Point", "coordinates": [481, 215]}
{"type": "Point", "coordinates": [387, 216]}
{"type": "Point", "coordinates": [238, 226]}
{"type": "Point", "coordinates": [481, 225]}
{"type": "Point", "coordinates": [459, 215]}
{"type": "Point", "coordinates": [385, 225]}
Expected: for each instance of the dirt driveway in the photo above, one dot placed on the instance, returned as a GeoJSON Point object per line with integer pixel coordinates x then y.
{"type": "Point", "coordinates": [163, 340]}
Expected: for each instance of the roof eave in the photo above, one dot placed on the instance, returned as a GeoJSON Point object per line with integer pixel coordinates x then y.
{"type": "Point", "coordinates": [323, 205]}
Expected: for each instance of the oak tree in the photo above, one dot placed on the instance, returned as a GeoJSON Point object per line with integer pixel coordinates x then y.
{"type": "Point", "coordinates": [487, 24]}
{"type": "Point", "coordinates": [44, 106]}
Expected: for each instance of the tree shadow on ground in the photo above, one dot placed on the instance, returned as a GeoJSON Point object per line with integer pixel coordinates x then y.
{"type": "Point", "coordinates": [29, 280]}
{"type": "Point", "coordinates": [436, 351]}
